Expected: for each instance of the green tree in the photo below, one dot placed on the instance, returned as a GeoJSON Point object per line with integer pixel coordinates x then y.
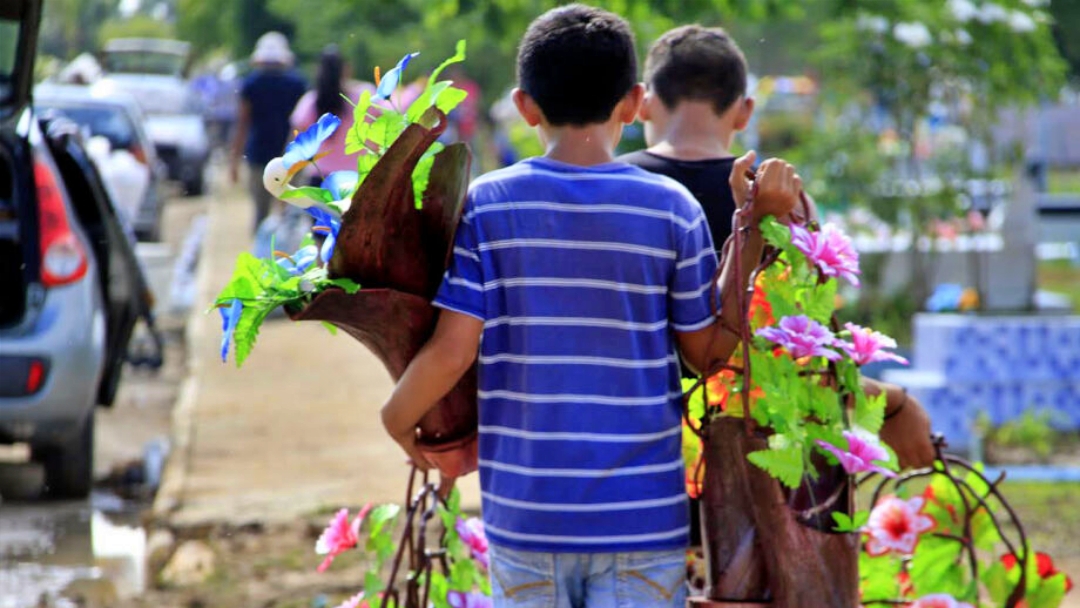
{"type": "Point", "coordinates": [70, 27]}
{"type": "Point", "coordinates": [136, 26]}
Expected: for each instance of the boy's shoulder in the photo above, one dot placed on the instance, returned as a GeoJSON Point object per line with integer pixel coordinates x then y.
{"type": "Point", "coordinates": [648, 189]}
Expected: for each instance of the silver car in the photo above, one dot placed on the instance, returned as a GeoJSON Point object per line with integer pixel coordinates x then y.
{"type": "Point", "coordinates": [116, 117]}
{"type": "Point", "coordinates": [71, 289]}
{"type": "Point", "coordinates": [150, 71]}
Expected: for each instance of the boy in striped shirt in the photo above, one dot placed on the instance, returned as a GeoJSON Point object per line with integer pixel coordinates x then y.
{"type": "Point", "coordinates": [579, 280]}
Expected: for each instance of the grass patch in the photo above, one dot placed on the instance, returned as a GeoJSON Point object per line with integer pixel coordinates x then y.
{"type": "Point", "coordinates": [1060, 276]}
{"type": "Point", "coordinates": [1063, 181]}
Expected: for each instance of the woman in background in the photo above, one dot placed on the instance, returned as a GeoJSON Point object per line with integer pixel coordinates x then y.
{"type": "Point", "coordinates": [331, 83]}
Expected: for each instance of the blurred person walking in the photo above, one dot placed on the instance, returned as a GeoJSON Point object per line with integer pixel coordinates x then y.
{"type": "Point", "coordinates": [267, 98]}
{"type": "Point", "coordinates": [332, 85]}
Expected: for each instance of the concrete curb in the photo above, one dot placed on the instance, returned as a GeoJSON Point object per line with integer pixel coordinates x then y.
{"type": "Point", "coordinates": [174, 476]}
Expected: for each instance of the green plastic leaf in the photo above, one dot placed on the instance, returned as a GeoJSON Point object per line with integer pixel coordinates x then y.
{"type": "Point", "coordinates": [869, 411]}
{"type": "Point", "coordinates": [386, 129]}
{"type": "Point", "coordinates": [450, 99]}
{"type": "Point", "coordinates": [247, 330]}
{"type": "Point", "coordinates": [877, 577]}
{"type": "Point", "coordinates": [462, 575]}
{"type": "Point", "coordinates": [786, 464]}
{"type": "Point", "coordinates": [422, 174]}
{"type": "Point", "coordinates": [247, 280]}
{"type": "Point", "coordinates": [382, 514]}
{"type": "Point", "coordinates": [775, 233]}
{"type": "Point", "coordinates": [820, 301]}
{"type": "Point", "coordinates": [998, 581]}
{"type": "Point", "coordinates": [936, 567]}
{"type": "Point", "coordinates": [373, 584]}
{"type": "Point", "coordinates": [317, 194]}
{"type": "Point", "coordinates": [458, 57]}
{"type": "Point", "coordinates": [348, 285]}
{"type": "Point", "coordinates": [453, 502]}
{"type": "Point", "coordinates": [1050, 592]}
{"type": "Point", "coordinates": [357, 135]}
{"type": "Point", "coordinates": [330, 327]}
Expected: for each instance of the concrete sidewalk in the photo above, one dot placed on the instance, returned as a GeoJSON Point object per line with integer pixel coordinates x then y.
{"type": "Point", "coordinates": [295, 430]}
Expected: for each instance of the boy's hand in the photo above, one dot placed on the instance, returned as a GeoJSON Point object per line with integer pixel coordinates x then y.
{"type": "Point", "coordinates": [406, 438]}
{"type": "Point", "coordinates": [907, 432]}
{"type": "Point", "coordinates": [775, 189]}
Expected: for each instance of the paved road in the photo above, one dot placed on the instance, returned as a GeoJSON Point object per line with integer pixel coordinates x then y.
{"type": "Point", "coordinates": [294, 431]}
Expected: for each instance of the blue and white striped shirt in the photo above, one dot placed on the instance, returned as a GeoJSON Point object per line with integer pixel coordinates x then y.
{"type": "Point", "coordinates": [580, 275]}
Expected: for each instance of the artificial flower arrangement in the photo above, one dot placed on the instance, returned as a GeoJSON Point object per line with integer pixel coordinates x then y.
{"type": "Point", "coordinates": [294, 279]}
{"type": "Point", "coordinates": [453, 575]}
{"type": "Point", "coordinates": [936, 540]}
{"type": "Point", "coordinates": [379, 246]}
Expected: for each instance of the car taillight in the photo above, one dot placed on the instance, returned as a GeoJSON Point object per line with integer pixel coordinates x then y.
{"type": "Point", "coordinates": [35, 376]}
{"type": "Point", "coordinates": [63, 259]}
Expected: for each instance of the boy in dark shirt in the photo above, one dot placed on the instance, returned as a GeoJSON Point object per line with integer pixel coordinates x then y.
{"type": "Point", "coordinates": [695, 102]}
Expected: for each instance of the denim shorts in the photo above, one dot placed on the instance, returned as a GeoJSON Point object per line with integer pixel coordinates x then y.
{"type": "Point", "coordinates": [526, 579]}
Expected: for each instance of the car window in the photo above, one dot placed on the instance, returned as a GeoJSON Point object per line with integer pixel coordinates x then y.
{"type": "Point", "coordinates": [9, 48]}
{"type": "Point", "coordinates": [110, 123]}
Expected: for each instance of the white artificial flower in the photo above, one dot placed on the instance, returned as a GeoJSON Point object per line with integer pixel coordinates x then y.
{"type": "Point", "coordinates": [963, 38]}
{"type": "Point", "coordinates": [872, 23]}
{"type": "Point", "coordinates": [914, 34]}
{"type": "Point", "coordinates": [991, 12]}
{"type": "Point", "coordinates": [1021, 23]}
{"type": "Point", "coordinates": [962, 10]}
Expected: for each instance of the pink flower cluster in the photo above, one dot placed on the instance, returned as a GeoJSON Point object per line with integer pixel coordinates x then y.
{"type": "Point", "coordinates": [868, 346]}
{"type": "Point", "coordinates": [471, 532]}
{"type": "Point", "coordinates": [830, 250]}
{"type": "Point", "coordinates": [895, 525]}
{"type": "Point", "coordinates": [939, 600]}
{"type": "Point", "coordinates": [863, 450]}
{"type": "Point", "coordinates": [473, 599]}
{"type": "Point", "coordinates": [356, 601]}
{"type": "Point", "coordinates": [802, 337]}
{"type": "Point", "coordinates": [340, 536]}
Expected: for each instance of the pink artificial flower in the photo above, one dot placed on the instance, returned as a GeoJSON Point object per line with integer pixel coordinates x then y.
{"type": "Point", "coordinates": [472, 534]}
{"type": "Point", "coordinates": [863, 450]}
{"type": "Point", "coordinates": [356, 601]}
{"type": "Point", "coordinates": [895, 525]}
{"type": "Point", "coordinates": [802, 337]}
{"type": "Point", "coordinates": [939, 600]}
{"type": "Point", "coordinates": [830, 250]}
{"type": "Point", "coordinates": [473, 599]}
{"type": "Point", "coordinates": [340, 536]}
{"type": "Point", "coordinates": [868, 346]}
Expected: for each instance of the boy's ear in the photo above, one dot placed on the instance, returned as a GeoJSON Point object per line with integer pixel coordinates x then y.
{"type": "Point", "coordinates": [527, 107]}
{"type": "Point", "coordinates": [645, 113]}
{"type": "Point", "coordinates": [745, 111]}
{"type": "Point", "coordinates": [628, 108]}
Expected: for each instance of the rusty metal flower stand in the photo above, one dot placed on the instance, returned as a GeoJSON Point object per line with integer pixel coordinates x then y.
{"type": "Point", "coordinates": [398, 253]}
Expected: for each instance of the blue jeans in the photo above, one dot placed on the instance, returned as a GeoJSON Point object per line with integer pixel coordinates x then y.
{"type": "Point", "coordinates": [526, 579]}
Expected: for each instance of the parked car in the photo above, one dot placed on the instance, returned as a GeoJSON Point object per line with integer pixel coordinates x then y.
{"type": "Point", "coordinates": [151, 71]}
{"type": "Point", "coordinates": [146, 56]}
{"type": "Point", "coordinates": [116, 117]}
{"type": "Point", "coordinates": [71, 289]}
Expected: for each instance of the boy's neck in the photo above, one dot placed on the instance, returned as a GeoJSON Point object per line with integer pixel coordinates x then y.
{"type": "Point", "coordinates": [694, 132]}
{"type": "Point", "coordinates": [585, 146]}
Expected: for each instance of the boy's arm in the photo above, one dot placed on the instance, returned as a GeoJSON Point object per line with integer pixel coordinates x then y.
{"type": "Point", "coordinates": [777, 192]}
{"type": "Point", "coordinates": [907, 425]}
{"type": "Point", "coordinates": [431, 375]}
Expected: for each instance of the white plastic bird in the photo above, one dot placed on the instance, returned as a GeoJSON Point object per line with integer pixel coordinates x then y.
{"type": "Point", "coordinates": [276, 181]}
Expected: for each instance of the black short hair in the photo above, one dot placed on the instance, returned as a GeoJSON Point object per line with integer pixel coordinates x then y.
{"type": "Point", "coordinates": [578, 62]}
{"type": "Point", "coordinates": [696, 63]}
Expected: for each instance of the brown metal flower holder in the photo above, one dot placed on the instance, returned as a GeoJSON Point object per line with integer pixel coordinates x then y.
{"type": "Point", "coordinates": [398, 254]}
{"type": "Point", "coordinates": [766, 545]}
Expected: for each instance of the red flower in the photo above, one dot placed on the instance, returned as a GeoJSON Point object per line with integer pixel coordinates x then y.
{"type": "Point", "coordinates": [895, 525]}
{"type": "Point", "coordinates": [1043, 563]}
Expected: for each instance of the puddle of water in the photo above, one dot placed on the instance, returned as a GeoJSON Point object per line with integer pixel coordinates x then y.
{"type": "Point", "coordinates": [48, 547]}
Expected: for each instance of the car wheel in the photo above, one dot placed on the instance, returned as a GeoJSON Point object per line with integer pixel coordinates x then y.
{"type": "Point", "coordinates": [69, 466]}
